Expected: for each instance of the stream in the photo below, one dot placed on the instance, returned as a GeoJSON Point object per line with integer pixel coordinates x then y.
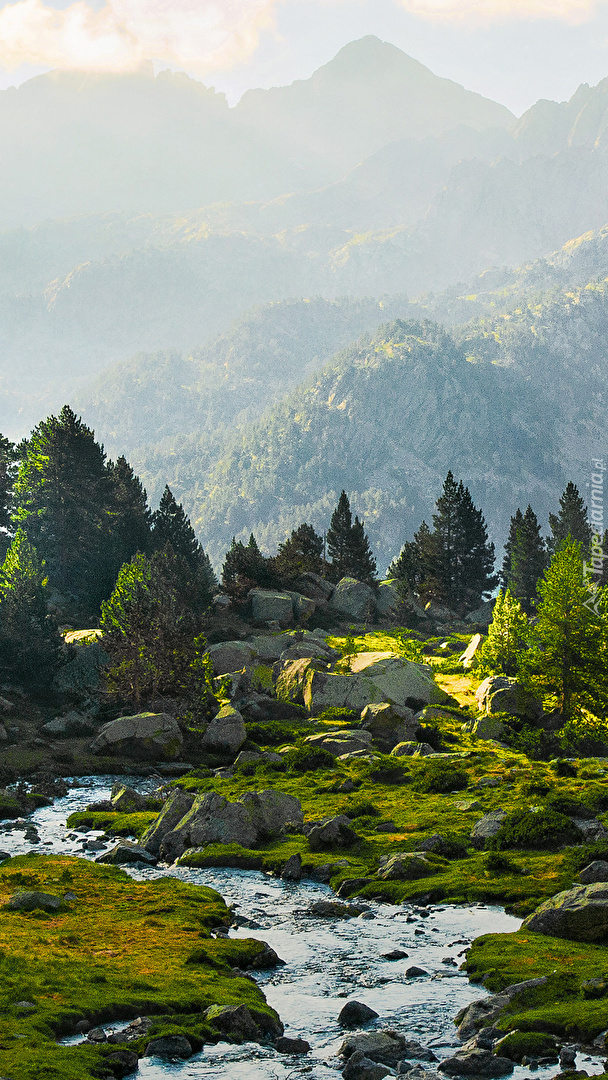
{"type": "Point", "coordinates": [328, 961]}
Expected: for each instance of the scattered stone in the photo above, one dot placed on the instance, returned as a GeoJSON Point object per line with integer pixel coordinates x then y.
{"type": "Point", "coordinates": [487, 828]}
{"type": "Point", "coordinates": [135, 1030]}
{"type": "Point", "coordinates": [412, 749]}
{"type": "Point", "coordinates": [354, 599]}
{"type": "Point", "coordinates": [176, 807]}
{"type": "Point", "coordinates": [285, 1045]}
{"type": "Point", "coordinates": [269, 606]}
{"type": "Point", "coordinates": [342, 741]}
{"type": "Point", "coordinates": [376, 678]}
{"type": "Point", "coordinates": [389, 724]}
{"type": "Point", "coordinates": [386, 827]}
{"type": "Point", "coordinates": [596, 871]}
{"type": "Point", "coordinates": [73, 724]}
{"type": "Point", "coordinates": [481, 616]}
{"type": "Point", "coordinates": [34, 901]}
{"type": "Point", "coordinates": [352, 885]}
{"type": "Point", "coordinates": [169, 1047]}
{"type": "Point", "coordinates": [395, 954]}
{"type": "Point", "coordinates": [488, 781]}
{"type": "Point", "coordinates": [226, 733]}
{"type": "Point", "coordinates": [125, 852]}
{"type": "Point", "coordinates": [415, 972]}
{"type": "Point", "coordinates": [405, 866]}
{"type": "Point", "coordinates": [486, 1011]}
{"type": "Point", "coordinates": [336, 832]}
{"type": "Point", "coordinates": [331, 909]}
{"type": "Point", "coordinates": [356, 1014]}
{"type": "Point", "coordinates": [592, 829]}
{"type": "Point", "coordinates": [145, 736]}
{"type": "Point", "coordinates": [578, 914]}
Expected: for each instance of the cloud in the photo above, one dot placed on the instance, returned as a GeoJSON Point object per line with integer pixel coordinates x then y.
{"type": "Point", "coordinates": [201, 35]}
{"type": "Point", "coordinates": [573, 11]}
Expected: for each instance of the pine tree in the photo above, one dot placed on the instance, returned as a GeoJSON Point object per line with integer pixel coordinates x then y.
{"type": "Point", "coordinates": [568, 661]}
{"type": "Point", "coordinates": [525, 558]}
{"type": "Point", "coordinates": [130, 520]}
{"type": "Point", "coordinates": [30, 643]}
{"type": "Point", "coordinates": [459, 559]}
{"type": "Point", "coordinates": [302, 553]}
{"type": "Point", "coordinates": [62, 495]}
{"type": "Point", "coordinates": [507, 637]}
{"type": "Point", "coordinates": [572, 521]}
{"type": "Point", "coordinates": [348, 545]}
{"type": "Point", "coordinates": [171, 525]}
{"type": "Point", "coordinates": [9, 456]}
{"type": "Point", "coordinates": [152, 626]}
{"type": "Point", "coordinates": [246, 568]}
{"type": "Point", "coordinates": [475, 554]}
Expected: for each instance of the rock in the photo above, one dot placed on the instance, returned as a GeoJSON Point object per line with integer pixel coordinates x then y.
{"type": "Point", "coordinates": [360, 1067]}
{"type": "Point", "coordinates": [375, 678]}
{"type": "Point", "coordinates": [6, 706]}
{"type": "Point", "coordinates": [596, 871]}
{"type": "Point", "coordinates": [592, 829]}
{"type": "Point", "coordinates": [412, 749]}
{"type": "Point", "coordinates": [389, 724]}
{"type": "Point", "coordinates": [485, 1011]}
{"type": "Point", "coordinates": [135, 1030]}
{"type": "Point", "coordinates": [146, 736]}
{"type": "Point", "coordinates": [342, 741]}
{"type": "Point", "coordinates": [578, 914]}
{"type": "Point", "coordinates": [168, 1047]}
{"type": "Point", "coordinates": [284, 1045]}
{"type": "Point", "coordinates": [310, 649]}
{"type": "Point", "coordinates": [469, 656]}
{"type": "Point", "coordinates": [270, 606]}
{"type": "Point", "coordinates": [354, 599]}
{"type": "Point", "coordinates": [226, 733]}
{"type": "Point", "coordinates": [330, 909]}
{"type": "Point", "coordinates": [126, 800]}
{"type": "Point", "coordinates": [122, 1062]}
{"type": "Point", "coordinates": [293, 680]}
{"type": "Point", "coordinates": [229, 656]}
{"type": "Point", "coordinates": [481, 1063]}
{"type": "Point", "coordinates": [440, 614]}
{"type": "Point", "coordinates": [487, 827]}
{"type": "Point", "coordinates": [72, 724]}
{"type": "Point", "coordinates": [34, 901]}
{"type": "Point", "coordinates": [313, 586]}
{"type": "Point", "coordinates": [336, 832]}
{"type": "Point", "coordinates": [126, 852]}
{"type": "Point", "coordinates": [267, 647]}
{"type": "Point", "coordinates": [440, 846]}
{"type": "Point", "coordinates": [292, 870]}
{"type": "Point", "coordinates": [500, 694]}
{"type": "Point", "coordinates": [488, 781]}
{"type": "Point", "coordinates": [234, 684]}
{"type": "Point", "coordinates": [415, 972]}
{"type": "Point", "coordinates": [385, 1047]}
{"type": "Point", "coordinates": [405, 866]}
{"type": "Point", "coordinates": [386, 827]}
{"type": "Point", "coordinates": [302, 606]}
{"type": "Point", "coordinates": [567, 1058]}
{"type": "Point", "coordinates": [352, 885]}
{"type": "Point", "coordinates": [481, 616]}
{"type": "Point", "coordinates": [413, 1049]}
{"type": "Point", "coordinates": [388, 598]}
{"type": "Point", "coordinates": [486, 727]}
{"type": "Point", "coordinates": [233, 1020]}
{"type": "Point", "coordinates": [395, 954]}
{"type": "Point", "coordinates": [97, 1035]}
{"type": "Point", "coordinates": [82, 674]}
{"type": "Point", "coordinates": [176, 807]}
{"type": "Point", "coordinates": [211, 819]}
{"type": "Point", "coordinates": [356, 1014]}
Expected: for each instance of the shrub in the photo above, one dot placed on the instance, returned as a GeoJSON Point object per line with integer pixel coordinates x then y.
{"type": "Point", "coordinates": [544, 829]}
{"type": "Point", "coordinates": [361, 809]}
{"type": "Point", "coordinates": [307, 759]}
{"type": "Point", "coordinates": [563, 768]}
{"type": "Point", "coordinates": [440, 779]}
{"type": "Point", "coordinates": [337, 715]}
{"type": "Point", "coordinates": [390, 774]}
{"type": "Point", "coordinates": [274, 732]}
{"type": "Point", "coordinates": [578, 858]}
{"type": "Point", "coordinates": [566, 804]}
{"type": "Point", "coordinates": [430, 733]}
{"type": "Point", "coordinates": [497, 864]}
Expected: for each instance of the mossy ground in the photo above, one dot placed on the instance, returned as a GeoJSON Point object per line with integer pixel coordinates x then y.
{"type": "Point", "coordinates": [121, 949]}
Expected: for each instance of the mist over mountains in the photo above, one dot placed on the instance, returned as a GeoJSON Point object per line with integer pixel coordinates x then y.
{"type": "Point", "coordinates": [184, 273]}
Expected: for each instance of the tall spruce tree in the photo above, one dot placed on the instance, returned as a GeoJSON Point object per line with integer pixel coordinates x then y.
{"type": "Point", "coordinates": [525, 559]}
{"type": "Point", "coordinates": [301, 553]}
{"type": "Point", "coordinates": [567, 663]}
{"type": "Point", "coordinates": [9, 457]}
{"type": "Point", "coordinates": [459, 558]}
{"type": "Point", "coordinates": [572, 521]}
{"type": "Point", "coordinates": [30, 643]}
{"type": "Point", "coordinates": [171, 525]}
{"type": "Point", "coordinates": [246, 568]}
{"type": "Point", "coordinates": [348, 545]}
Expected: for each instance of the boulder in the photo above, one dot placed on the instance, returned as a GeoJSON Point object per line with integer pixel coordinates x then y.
{"type": "Point", "coordinates": [229, 656]}
{"type": "Point", "coordinates": [122, 1062]}
{"type": "Point", "coordinates": [415, 972]}
{"type": "Point", "coordinates": [592, 829]}
{"type": "Point", "coordinates": [440, 614]}
{"type": "Point", "coordinates": [211, 819]}
{"type": "Point", "coordinates": [384, 1047]}
{"type": "Point", "coordinates": [469, 656]}
{"type": "Point", "coordinates": [360, 1067]}
{"type": "Point", "coordinates": [487, 827]}
{"type": "Point", "coordinates": [482, 616]}
{"type": "Point", "coordinates": [355, 1014]}
{"type": "Point", "coordinates": [578, 914]}
{"type": "Point", "coordinates": [146, 736]}
{"type": "Point", "coordinates": [233, 1020]}
{"type": "Point", "coordinates": [500, 694]}
{"type": "Point", "coordinates": [596, 871]}
{"type": "Point", "coordinates": [176, 807]}
{"type": "Point", "coordinates": [82, 674]}
{"type": "Point", "coordinates": [267, 647]}
{"type": "Point", "coordinates": [482, 1063]}
{"type": "Point", "coordinates": [126, 800]}
{"type": "Point", "coordinates": [293, 680]}
{"type": "Point", "coordinates": [34, 901]}
{"type": "Point", "coordinates": [485, 727]}
{"type": "Point", "coordinates": [336, 832]}
{"type": "Point", "coordinates": [226, 733]}
{"type": "Point", "coordinates": [234, 684]}
{"type": "Point", "coordinates": [168, 1047]}
{"type": "Point", "coordinates": [353, 599]}
{"type": "Point", "coordinates": [341, 742]}
{"type": "Point", "coordinates": [72, 724]}
{"type": "Point", "coordinates": [388, 598]}
{"type": "Point", "coordinates": [376, 678]}
{"type": "Point", "coordinates": [292, 870]}
{"type": "Point", "coordinates": [389, 724]}
{"type": "Point", "coordinates": [311, 648]}
{"type": "Point", "coordinates": [285, 1045]}
{"type": "Point", "coordinates": [405, 866]}
{"type": "Point", "coordinates": [313, 586]}
{"type": "Point", "coordinates": [412, 749]}
{"type": "Point", "coordinates": [302, 606]}
{"type": "Point", "coordinates": [270, 606]}
{"type": "Point", "coordinates": [126, 852]}
{"type": "Point", "coordinates": [485, 1011]}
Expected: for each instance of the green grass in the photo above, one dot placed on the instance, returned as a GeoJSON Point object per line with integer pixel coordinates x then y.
{"type": "Point", "coordinates": [113, 823]}
{"type": "Point", "coordinates": [123, 949]}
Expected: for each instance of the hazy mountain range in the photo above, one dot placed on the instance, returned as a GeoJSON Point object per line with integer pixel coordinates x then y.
{"type": "Point", "coordinates": [184, 272]}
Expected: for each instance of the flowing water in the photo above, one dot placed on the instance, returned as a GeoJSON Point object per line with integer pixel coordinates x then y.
{"type": "Point", "coordinates": [327, 961]}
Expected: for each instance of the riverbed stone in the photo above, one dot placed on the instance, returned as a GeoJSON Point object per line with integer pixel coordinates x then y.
{"type": "Point", "coordinates": [355, 1014]}
{"type": "Point", "coordinates": [385, 1047]}
{"type": "Point", "coordinates": [482, 1063]}
{"type": "Point", "coordinates": [122, 1062]}
{"type": "Point", "coordinates": [145, 736]}
{"type": "Point", "coordinates": [285, 1045]}
{"type": "Point", "coordinates": [292, 870]}
{"type": "Point", "coordinates": [226, 733]}
{"type": "Point", "coordinates": [126, 800]}
{"type": "Point", "coordinates": [578, 914]}
{"type": "Point", "coordinates": [169, 1046]}
{"type": "Point", "coordinates": [233, 1020]}
{"type": "Point", "coordinates": [360, 1067]}
{"type": "Point", "coordinates": [485, 1011]}
{"type": "Point", "coordinates": [126, 852]}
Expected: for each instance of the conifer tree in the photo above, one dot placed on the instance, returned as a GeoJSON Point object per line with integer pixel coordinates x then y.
{"type": "Point", "coordinates": [171, 525]}
{"type": "Point", "coordinates": [246, 568]}
{"type": "Point", "coordinates": [572, 521]}
{"type": "Point", "coordinates": [568, 661]}
{"type": "Point", "coordinates": [363, 564]}
{"type": "Point", "coordinates": [301, 553]}
{"type": "Point", "coordinates": [9, 456]}
{"type": "Point", "coordinates": [30, 643]}
{"type": "Point", "coordinates": [459, 559]}
{"type": "Point", "coordinates": [507, 636]}
{"type": "Point", "coordinates": [525, 558]}
{"type": "Point", "coordinates": [348, 545]}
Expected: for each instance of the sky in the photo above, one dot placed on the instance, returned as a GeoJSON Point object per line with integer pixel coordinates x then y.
{"type": "Point", "coordinates": [514, 51]}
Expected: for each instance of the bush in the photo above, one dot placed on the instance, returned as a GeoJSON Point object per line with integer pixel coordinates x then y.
{"type": "Point", "coordinates": [497, 864]}
{"type": "Point", "coordinates": [337, 715]}
{"type": "Point", "coordinates": [361, 809]}
{"type": "Point", "coordinates": [563, 768]}
{"type": "Point", "coordinates": [566, 804]}
{"type": "Point", "coordinates": [431, 734]}
{"type": "Point", "coordinates": [440, 779]}
{"type": "Point", "coordinates": [545, 829]}
{"type": "Point", "coordinates": [390, 774]}
{"type": "Point", "coordinates": [274, 732]}
{"type": "Point", "coordinates": [576, 859]}
{"type": "Point", "coordinates": [305, 759]}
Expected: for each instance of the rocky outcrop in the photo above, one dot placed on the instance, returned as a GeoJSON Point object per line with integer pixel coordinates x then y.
{"type": "Point", "coordinates": [578, 914]}
{"type": "Point", "coordinates": [293, 680]}
{"type": "Point", "coordinates": [229, 656]}
{"type": "Point", "coordinates": [82, 674]}
{"type": "Point", "coordinates": [145, 737]}
{"type": "Point", "coordinates": [388, 598]}
{"type": "Point", "coordinates": [389, 724]}
{"type": "Point", "coordinates": [353, 599]}
{"type": "Point", "coordinates": [375, 678]}
{"type": "Point", "coordinates": [270, 606]}
{"type": "Point", "coordinates": [485, 1011]}
{"type": "Point", "coordinates": [500, 694]}
{"type": "Point", "coordinates": [212, 819]}
{"type": "Point", "coordinates": [226, 732]}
